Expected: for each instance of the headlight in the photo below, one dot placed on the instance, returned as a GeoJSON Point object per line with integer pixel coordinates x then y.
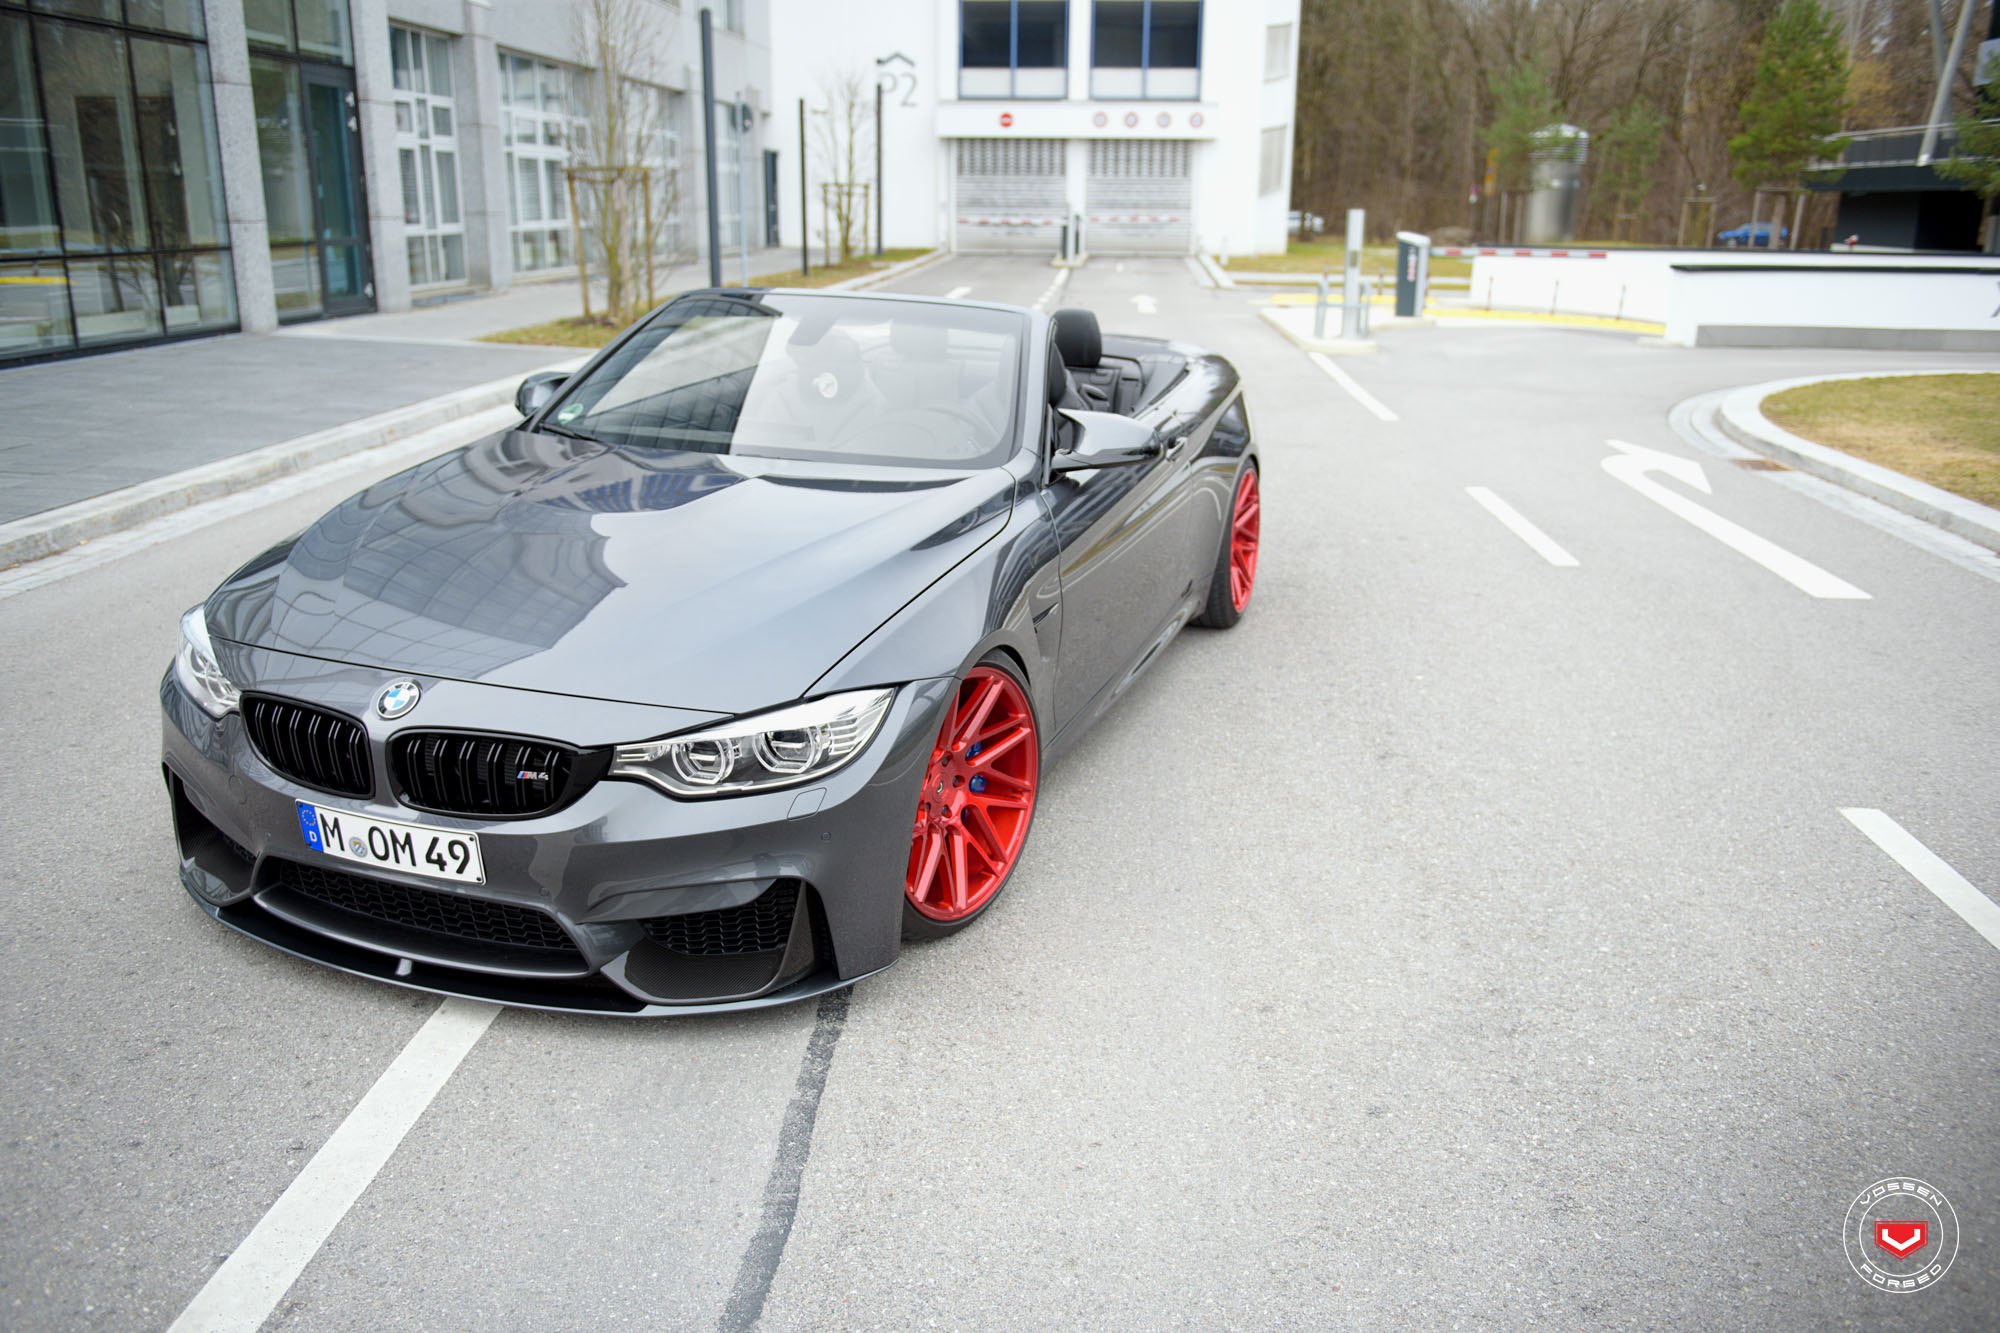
{"type": "Point", "coordinates": [781, 749]}
{"type": "Point", "coordinates": [196, 669]}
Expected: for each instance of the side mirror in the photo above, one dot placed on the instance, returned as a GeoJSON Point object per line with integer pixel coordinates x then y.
{"type": "Point", "coordinates": [536, 391]}
{"type": "Point", "coordinates": [1105, 439]}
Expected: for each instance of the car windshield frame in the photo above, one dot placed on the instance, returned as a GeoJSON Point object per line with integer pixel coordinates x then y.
{"type": "Point", "coordinates": [832, 378]}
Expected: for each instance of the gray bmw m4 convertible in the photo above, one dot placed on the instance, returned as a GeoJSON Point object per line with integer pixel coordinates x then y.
{"type": "Point", "coordinates": [734, 665]}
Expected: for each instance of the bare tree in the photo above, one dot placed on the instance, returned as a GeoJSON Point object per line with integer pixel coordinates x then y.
{"type": "Point", "coordinates": [844, 146]}
{"type": "Point", "coordinates": [1394, 95]}
{"type": "Point", "coordinates": [624, 188]}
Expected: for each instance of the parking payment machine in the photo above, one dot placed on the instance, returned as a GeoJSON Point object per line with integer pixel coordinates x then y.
{"type": "Point", "coordinates": [1413, 273]}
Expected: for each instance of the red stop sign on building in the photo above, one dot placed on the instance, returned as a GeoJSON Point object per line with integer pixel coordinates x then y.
{"type": "Point", "coordinates": [1006, 120]}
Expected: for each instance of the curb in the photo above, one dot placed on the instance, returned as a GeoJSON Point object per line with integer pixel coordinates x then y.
{"type": "Point", "coordinates": [1305, 341]}
{"type": "Point", "coordinates": [57, 530]}
{"type": "Point", "coordinates": [867, 280]}
{"type": "Point", "coordinates": [1741, 418]}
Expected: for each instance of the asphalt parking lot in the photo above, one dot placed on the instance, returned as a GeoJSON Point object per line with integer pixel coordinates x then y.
{"type": "Point", "coordinates": [1466, 938]}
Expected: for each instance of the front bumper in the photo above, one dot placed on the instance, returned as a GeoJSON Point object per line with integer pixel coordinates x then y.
{"type": "Point", "coordinates": [653, 896]}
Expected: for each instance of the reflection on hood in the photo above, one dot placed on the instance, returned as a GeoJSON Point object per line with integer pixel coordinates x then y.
{"type": "Point", "coordinates": [549, 563]}
{"type": "Point", "coordinates": [447, 569]}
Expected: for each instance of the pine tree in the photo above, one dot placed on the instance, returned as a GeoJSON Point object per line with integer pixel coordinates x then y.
{"type": "Point", "coordinates": [1522, 106]}
{"type": "Point", "coordinates": [1626, 153]}
{"type": "Point", "coordinates": [1798, 98]}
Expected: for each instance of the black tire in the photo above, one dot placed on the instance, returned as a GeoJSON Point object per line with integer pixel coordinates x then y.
{"type": "Point", "coordinates": [918, 926]}
{"type": "Point", "coordinates": [1221, 611]}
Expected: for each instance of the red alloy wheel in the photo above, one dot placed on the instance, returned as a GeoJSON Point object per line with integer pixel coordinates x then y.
{"type": "Point", "coordinates": [1244, 528]}
{"type": "Point", "coordinates": [978, 795]}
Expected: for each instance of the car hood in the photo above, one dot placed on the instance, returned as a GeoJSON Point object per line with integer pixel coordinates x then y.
{"type": "Point", "coordinates": [539, 562]}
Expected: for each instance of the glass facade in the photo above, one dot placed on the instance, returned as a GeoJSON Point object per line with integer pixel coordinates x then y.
{"type": "Point", "coordinates": [309, 152]}
{"type": "Point", "coordinates": [112, 229]}
{"type": "Point", "coordinates": [427, 156]}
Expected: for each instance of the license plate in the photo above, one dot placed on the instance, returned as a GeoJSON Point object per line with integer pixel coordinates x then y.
{"type": "Point", "coordinates": [383, 842]}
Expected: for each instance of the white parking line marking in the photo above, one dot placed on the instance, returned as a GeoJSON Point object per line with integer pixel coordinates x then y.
{"type": "Point", "coordinates": [242, 1293]}
{"type": "Point", "coordinates": [1538, 540]}
{"type": "Point", "coordinates": [1054, 288]}
{"type": "Point", "coordinates": [1145, 305]}
{"type": "Point", "coordinates": [1633, 463]}
{"type": "Point", "coordinates": [956, 292]}
{"type": "Point", "coordinates": [1355, 391]}
{"type": "Point", "coordinates": [1953, 889]}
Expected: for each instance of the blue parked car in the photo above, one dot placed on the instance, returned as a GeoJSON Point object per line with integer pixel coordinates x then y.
{"type": "Point", "coordinates": [1752, 233]}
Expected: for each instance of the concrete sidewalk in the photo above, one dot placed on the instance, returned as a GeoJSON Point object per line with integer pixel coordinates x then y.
{"type": "Point", "coordinates": [477, 314]}
{"type": "Point", "coordinates": [79, 429]}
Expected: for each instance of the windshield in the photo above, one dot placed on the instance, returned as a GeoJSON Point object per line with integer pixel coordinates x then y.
{"type": "Point", "coordinates": [817, 377]}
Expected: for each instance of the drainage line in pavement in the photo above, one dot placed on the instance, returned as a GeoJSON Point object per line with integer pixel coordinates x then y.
{"type": "Point", "coordinates": [781, 1189]}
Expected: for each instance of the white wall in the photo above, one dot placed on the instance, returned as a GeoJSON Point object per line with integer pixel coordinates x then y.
{"type": "Point", "coordinates": [812, 41]}
{"type": "Point", "coordinates": [1937, 306]}
{"type": "Point", "coordinates": [815, 44]}
{"type": "Point", "coordinates": [1829, 292]}
{"type": "Point", "coordinates": [1629, 284]}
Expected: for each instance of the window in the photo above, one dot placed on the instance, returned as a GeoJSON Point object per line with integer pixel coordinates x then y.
{"type": "Point", "coordinates": [427, 156]}
{"type": "Point", "coordinates": [1277, 52]}
{"type": "Point", "coordinates": [728, 177]}
{"type": "Point", "coordinates": [661, 151]}
{"type": "Point", "coordinates": [1145, 48]}
{"type": "Point", "coordinates": [537, 125]}
{"type": "Point", "coordinates": [1013, 48]}
{"type": "Point", "coordinates": [1271, 159]}
{"type": "Point", "coordinates": [315, 28]}
{"type": "Point", "coordinates": [112, 227]}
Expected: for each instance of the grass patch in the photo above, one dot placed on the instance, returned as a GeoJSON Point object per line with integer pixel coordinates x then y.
{"type": "Point", "coordinates": [1377, 261]}
{"type": "Point", "coordinates": [576, 331]}
{"type": "Point", "coordinates": [1943, 429]}
{"type": "Point", "coordinates": [823, 274]}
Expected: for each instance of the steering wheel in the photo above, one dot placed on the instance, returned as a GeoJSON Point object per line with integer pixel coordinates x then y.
{"type": "Point", "coordinates": [942, 445]}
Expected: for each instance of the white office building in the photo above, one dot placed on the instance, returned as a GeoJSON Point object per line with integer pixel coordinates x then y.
{"type": "Point", "coordinates": [1150, 126]}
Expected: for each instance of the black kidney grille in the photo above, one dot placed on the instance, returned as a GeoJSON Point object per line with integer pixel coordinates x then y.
{"type": "Point", "coordinates": [482, 775]}
{"type": "Point", "coordinates": [426, 909]}
{"type": "Point", "coordinates": [762, 925]}
{"type": "Point", "coordinates": [310, 745]}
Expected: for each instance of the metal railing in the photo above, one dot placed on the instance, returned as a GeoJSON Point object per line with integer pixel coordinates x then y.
{"type": "Point", "coordinates": [1897, 147]}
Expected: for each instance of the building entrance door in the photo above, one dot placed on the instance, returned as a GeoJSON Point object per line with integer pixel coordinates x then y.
{"type": "Point", "coordinates": [334, 124]}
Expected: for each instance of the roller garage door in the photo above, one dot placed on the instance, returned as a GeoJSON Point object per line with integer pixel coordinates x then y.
{"type": "Point", "coordinates": [1138, 199]}
{"type": "Point", "coordinates": [1010, 195]}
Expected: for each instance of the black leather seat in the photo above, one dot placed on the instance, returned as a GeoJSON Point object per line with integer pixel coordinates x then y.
{"type": "Point", "coordinates": [1081, 345]}
{"type": "Point", "coordinates": [1107, 383]}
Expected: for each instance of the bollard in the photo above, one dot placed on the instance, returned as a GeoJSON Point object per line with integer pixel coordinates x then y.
{"type": "Point", "coordinates": [1063, 253]}
{"type": "Point", "coordinates": [1319, 309]}
{"type": "Point", "coordinates": [1350, 287]}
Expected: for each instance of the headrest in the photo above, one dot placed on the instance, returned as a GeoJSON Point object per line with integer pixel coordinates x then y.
{"type": "Point", "coordinates": [1078, 339]}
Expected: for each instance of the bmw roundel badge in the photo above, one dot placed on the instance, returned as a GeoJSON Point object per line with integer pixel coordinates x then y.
{"type": "Point", "coordinates": [397, 698]}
